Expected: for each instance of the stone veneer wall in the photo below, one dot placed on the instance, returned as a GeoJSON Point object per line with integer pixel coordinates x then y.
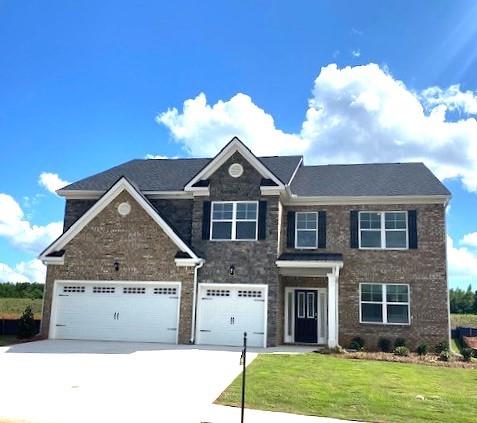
{"type": "Point", "coordinates": [254, 261]}
{"type": "Point", "coordinates": [144, 251]}
{"type": "Point", "coordinates": [424, 269]}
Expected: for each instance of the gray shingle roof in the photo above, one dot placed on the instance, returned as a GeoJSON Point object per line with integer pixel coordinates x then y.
{"type": "Point", "coordinates": [171, 174]}
{"type": "Point", "coordinates": [383, 179]}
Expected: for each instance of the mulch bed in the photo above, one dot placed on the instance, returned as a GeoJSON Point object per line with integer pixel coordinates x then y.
{"type": "Point", "coordinates": [429, 359]}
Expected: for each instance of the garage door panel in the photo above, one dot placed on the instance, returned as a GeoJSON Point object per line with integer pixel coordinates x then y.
{"type": "Point", "coordinates": [226, 312]}
{"type": "Point", "coordinates": [120, 312]}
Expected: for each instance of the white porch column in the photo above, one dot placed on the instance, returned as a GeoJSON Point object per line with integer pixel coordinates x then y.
{"type": "Point", "coordinates": [333, 308]}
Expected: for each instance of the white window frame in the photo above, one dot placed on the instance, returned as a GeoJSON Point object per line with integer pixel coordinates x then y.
{"type": "Point", "coordinates": [234, 221]}
{"type": "Point", "coordinates": [306, 230]}
{"type": "Point", "coordinates": [383, 230]}
{"type": "Point", "coordinates": [384, 304]}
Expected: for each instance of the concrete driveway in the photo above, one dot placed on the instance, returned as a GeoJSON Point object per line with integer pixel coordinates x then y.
{"type": "Point", "coordinates": [88, 381]}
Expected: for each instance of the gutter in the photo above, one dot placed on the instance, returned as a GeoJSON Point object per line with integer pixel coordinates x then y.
{"type": "Point", "coordinates": [194, 302]}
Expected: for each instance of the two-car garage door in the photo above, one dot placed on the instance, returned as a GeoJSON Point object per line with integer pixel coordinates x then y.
{"type": "Point", "coordinates": [116, 311]}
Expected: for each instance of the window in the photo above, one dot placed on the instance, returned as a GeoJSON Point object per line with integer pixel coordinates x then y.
{"type": "Point", "coordinates": [383, 230]}
{"type": "Point", "coordinates": [234, 220]}
{"type": "Point", "coordinates": [384, 303]}
{"type": "Point", "coordinates": [306, 230]}
{"type": "Point", "coordinates": [104, 289]}
{"type": "Point", "coordinates": [134, 290]}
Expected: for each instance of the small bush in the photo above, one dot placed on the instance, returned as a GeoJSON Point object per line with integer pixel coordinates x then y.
{"type": "Point", "coordinates": [444, 355]}
{"type": "Point", "coordinates": [384, 345]}
{"type": "Point", "coordinates": [422, 349]}
{"type": "Point", "coordinates": [401, 351]}
{"type": "Point", "coordinates": [441, 346]}
{"type": "Point", "coordinates": [467, 354]}
{"type": "Point", "coordinates": [26, 325]}
{"type": "Point", "coordinates": [357, 344]}
{"type": "Point", "coordinates": [399, 342]}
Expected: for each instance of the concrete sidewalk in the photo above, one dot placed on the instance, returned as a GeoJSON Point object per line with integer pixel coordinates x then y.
{"type": "Point", "coordinates": [224, 414]}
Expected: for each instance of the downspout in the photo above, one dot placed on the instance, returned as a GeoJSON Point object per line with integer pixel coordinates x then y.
{"type": "Point", "coordinates": [194, 302]}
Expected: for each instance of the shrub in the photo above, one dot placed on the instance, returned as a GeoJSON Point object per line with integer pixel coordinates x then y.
{"type": "Point", "coordinates": [399, 342]}
{"type": "Point", "coordinates": [26, 325]}
{"type": "Point", "coordinates": [384, 345]}
{"type": "Point", "coordinates": [422, 348]}
{"type": "Point", "coordinates": [401, 351]}
{"type": "Point", "coordinates": [357, 344]}
{"type": "Point", "coordinates": [441, 346]}
{"type": "Point", "coordinates": [444, 355]}
{"type": "Point", "coordinates": [467, 353]}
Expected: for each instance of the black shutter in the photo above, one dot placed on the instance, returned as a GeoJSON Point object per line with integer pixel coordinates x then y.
{"type": "Point", "coordinates": [353, 229]}
{"type": "Point", "coordinates": [291, 229]}
{"type": "Point", "coordinates": [262, 220]}
{"type": "Point", "coordinates": [322, 229]}
{"type": "Point", "coordinates": [206, 220]}
{"type": "Point", "coordinates": [412, 228]}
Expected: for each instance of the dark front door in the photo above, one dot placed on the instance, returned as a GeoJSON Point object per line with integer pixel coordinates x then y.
{"type": "Point", "coordinates": [306, 316]}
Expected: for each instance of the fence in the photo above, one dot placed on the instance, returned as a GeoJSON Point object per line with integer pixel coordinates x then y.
{"type": "Point", "coordinates": [459, 332]}
{"type": "Point", "coordinates": [10, 326]}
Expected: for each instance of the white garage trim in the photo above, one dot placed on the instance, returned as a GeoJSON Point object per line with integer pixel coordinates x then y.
{"type": "Point", "coordinates": [58, 282]}
{"type": "Point", "coordinates": [237, 286]}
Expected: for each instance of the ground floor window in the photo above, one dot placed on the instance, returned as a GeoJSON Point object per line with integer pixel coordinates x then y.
{"type": "Point", "coordinates": [384, 303]}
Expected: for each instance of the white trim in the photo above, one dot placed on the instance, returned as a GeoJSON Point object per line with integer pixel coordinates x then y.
{"type": "Point", "coordinates": [383, 229]}
{"type": "Point", "coordinates": [294, 199]}
{"type": "Point", "coordinates": [384, 303]}
{"type": "Point", "coordinates": [295, 171]}
{"type": "Point", "coordinates": [306, 230]}
{"type": "Point", "coordinates": [233, 221]}
{"type": "Point", "coordinates": [309, 263]}
{"type": "Point", "coordinates": [233, 146]}
{"type": "Point", "coordinates": [120, 186]}
{"type": "Point", "coordinates": [266, 190]}
{"type": "Point", "coordinates": [56, 282]}
{"type": "Point", "coordinates": [187, 262]}
{"type": "Point", "coordinates": [246, 286]}
{"type": "Point", "coordinates": [54, 260]}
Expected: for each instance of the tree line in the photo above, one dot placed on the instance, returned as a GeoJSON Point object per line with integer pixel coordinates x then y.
{"type": "Point", "coordinates": [21, 290]}
{"type": "Point", "coordinates": [463, 301]}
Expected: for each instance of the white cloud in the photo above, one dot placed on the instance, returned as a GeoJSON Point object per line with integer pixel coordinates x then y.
{"type": "Point", "coordinates": [462, 262]}
{"type": "Point", "coordinates": [30, 271]}
{"type": "Point", "coordinates": [469, 239]}
{"type": "Point", "coordinates": [356, 53]}
{"type": "Point", "coordinates": [158, 156]}
{"type": "Point", "coordinates": [20, 232]}
{"type": "Point", "coordinates": [51, 181]}
{"type": "Point", "coordinates": [355, 114]}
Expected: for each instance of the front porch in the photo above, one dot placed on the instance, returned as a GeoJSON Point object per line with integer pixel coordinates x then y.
{"type": "Point", "coordinates": [309, 285]}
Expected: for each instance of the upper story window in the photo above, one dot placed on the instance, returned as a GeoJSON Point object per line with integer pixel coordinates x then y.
{"type": "Point", "coordinates": [234, 220]}
{"type": "Point", "coordinates": [306, 230]}
{"type": "Point", "coordinates": [383, 230]}
{"type": "Point", "coordinates": [384, 303]}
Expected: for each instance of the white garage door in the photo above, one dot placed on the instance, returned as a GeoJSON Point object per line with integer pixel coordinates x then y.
{"type": "Point", "coordinates": [225, 312]}
{"type": "Point", "coordinates": [116, 311]}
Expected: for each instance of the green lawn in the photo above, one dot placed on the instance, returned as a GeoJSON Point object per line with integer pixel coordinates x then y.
{"type": "Point", "coordinates": [372, 391]}
{"type": "Point", "coordinates": [7, 340]}
{"type": "Point", "coordinates": [464, 320]}
{"type": "Point", "coordinates": [12, 308]}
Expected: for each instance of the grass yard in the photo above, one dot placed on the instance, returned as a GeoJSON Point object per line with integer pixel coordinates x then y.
{"type": "Point", "coordinates": [7, 340]}
{"type": "Point", "coordinates": [321, 385]}
{"type": "Point", "coordinates": [464, 320]}
{"type": "Point", "coordinates": [12, 308]}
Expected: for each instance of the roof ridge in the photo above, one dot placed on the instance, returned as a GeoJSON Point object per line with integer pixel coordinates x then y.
{"type": "Point", "coordinates": [363, 164]}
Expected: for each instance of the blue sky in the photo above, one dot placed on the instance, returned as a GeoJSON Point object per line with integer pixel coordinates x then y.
{"type": "Point", "coordinates": [87, 85]}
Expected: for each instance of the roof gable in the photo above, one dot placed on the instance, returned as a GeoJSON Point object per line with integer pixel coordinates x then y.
{"type": "Point", "coordinates": [235, 145]}
{"type": "Point", "coordinates": [120, 186]}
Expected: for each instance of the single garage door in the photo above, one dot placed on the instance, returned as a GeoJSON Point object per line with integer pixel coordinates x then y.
{"type": "Point", "coordinates": [116, 311]}
{"type": "Point", "coordinates": [225, 312]}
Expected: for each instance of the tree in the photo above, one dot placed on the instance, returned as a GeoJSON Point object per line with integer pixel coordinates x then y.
{"type": "Point", "coordinates": [26, 325]}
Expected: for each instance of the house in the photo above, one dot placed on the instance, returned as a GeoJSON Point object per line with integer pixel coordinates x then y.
{"type": "Point", "coordinates": [201, 250]}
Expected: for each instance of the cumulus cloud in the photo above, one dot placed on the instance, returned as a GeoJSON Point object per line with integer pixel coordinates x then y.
{"type": "Point", "coordinates": [462, 262]}
{"type": "Point", "coordinates": [29, 271]}
{"type": "Point", "coordinates": [20, 232]}
{"type": "Point", "coordinates": [355, 114]}
{"type": "Point", "coordinates": [51, 181]}
{"type": "Point", "coordinates": [470, 240]}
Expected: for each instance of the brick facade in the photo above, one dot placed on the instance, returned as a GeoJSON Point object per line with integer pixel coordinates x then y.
{"type": "Point", "coordinates": [144, 251]}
